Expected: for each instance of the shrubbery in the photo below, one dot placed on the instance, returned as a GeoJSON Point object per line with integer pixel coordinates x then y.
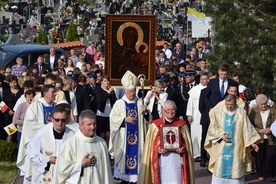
{"type": "Point", "coordinates": [8, 151]}
{"type": "Point", "coordinates": [42, 37]}
{"type": "Point", "coordinates": [72, 33]}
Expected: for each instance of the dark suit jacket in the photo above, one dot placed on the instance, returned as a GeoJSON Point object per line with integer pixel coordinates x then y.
{"type": "Point", "coordinates": [171, 93]}
{"type": "Point", "coordinates": [87, 58]}
{"type": "Point", "coordinates": [82, 98]}
{"type": "Point", "coordinates": [5, 86]}
{"type": "Point", "coordinates": [181, 54]}
{"type": "Point", "coordinates": [212, 94]}
{"type": "Point", "coordinates": [205, 120]}
{"type": "Point", "coordinates": [45, 67]}
{"type": "Point", "coordinates": [182, 99]}
{"type": "Point", "coordinates": [197, 56]}
{"type": "Point", "coordinates": [256, 119]}
{"type": "Point", "coordinates": [92, 97]}
{"type": "Point", "coordinates": [3, 134]}
{"type": "Point", "coordinates": [47, 60]}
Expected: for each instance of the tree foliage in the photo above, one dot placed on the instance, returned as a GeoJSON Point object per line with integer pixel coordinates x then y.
{"type": "Point", "coordinates": [72, 33]}
{"type": "Point", "coordinates": [245, 36]}
{"type": "Point", "coordinates": [42, 37]}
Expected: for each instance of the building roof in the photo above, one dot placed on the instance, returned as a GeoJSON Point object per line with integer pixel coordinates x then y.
{"type": "Point", "coordinates": [68, 44]}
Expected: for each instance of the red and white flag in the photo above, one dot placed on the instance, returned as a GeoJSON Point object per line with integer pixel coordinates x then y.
{"type": "Point", "coordinates": [3, 106]}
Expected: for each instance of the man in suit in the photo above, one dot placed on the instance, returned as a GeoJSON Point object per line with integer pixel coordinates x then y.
{"type": "Point", "coordinates": [199, 54]}
{"type": "Point", "coordinates": [87, 57]}
{"type": "Point", "coordinates": [179, 51]}
{"type": "Point", "coordinates": [163, 57]}
{"type": "Point", "coordinates": [91, 90]}
{"type": "Point", "coordinates": [40, 66]}
{"type": "Point", "coordinates": [204, 122]}
{"type": "Point", "coordinates": [186, 82]}
{"type": "Point", "coordinates": [52, 58]}
{"type": "Point", "coordinates": [168, 88]}
{"type": "Point", "coordinates": [217, 88]}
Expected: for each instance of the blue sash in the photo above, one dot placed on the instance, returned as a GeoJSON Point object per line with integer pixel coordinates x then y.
{"type": "Point", "coordinates": [132, 140]}
{"type": "Point", "coordinates": [228, 149]}
{"type": "Point", "coordinates": [48, 112]}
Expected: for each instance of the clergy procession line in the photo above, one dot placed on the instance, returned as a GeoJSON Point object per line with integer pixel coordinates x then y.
{"type": "Point", "coordinates": [71, 126]}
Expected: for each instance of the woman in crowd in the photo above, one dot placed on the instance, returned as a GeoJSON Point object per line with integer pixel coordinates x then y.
{"type": "Point", "coordinates": [19, 114]}
{"type": "Point", "coordinates": [10, 97]}
{"type": "Point", "coordinates": [80, 62]}
{"type": "Point", "coordinates": [155, 99]}
{"type": "Point", "coordinates": [105, 97]}
{"type": "Point", "coordinates": [69, 66]}
{"type": "Point", "coordinates": [70, 96]}
{"type": "Point", "coordinates": [262, 117]}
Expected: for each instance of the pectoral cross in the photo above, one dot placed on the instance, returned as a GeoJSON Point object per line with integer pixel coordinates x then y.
{"type": "Point", "coordinates": [227, 156]}
{"type": "Point", "coordinates": [228, 122]}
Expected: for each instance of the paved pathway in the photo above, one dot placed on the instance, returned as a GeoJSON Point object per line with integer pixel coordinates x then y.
{"type": "Point", "coordinates": [202, 176]}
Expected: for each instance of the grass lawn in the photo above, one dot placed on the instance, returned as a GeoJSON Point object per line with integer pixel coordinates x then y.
{"type": "Point", "coordinates": [7, 172]}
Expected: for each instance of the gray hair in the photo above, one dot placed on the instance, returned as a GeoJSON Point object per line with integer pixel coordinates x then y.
{"type": "Point", "coordinates": [230, 97]}
{"type": "Point", "coordinates": [158, 83]}
{"type": "Point", "coordinates": [87, 114]}
{"type": "Point", "coordinates": [261, 99]}
{"type": "Point", "coordinates": [169, 102]}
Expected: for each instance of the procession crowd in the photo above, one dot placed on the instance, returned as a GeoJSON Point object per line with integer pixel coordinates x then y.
{"type": "Point", "coordinates": [71, 122]}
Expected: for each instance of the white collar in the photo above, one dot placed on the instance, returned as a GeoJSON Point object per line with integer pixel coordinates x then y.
{"type": "Point", "coordinates": [128, 101]}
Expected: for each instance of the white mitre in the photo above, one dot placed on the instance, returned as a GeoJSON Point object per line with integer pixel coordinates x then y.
{"type": "Point", "coordinates": [129, 80]}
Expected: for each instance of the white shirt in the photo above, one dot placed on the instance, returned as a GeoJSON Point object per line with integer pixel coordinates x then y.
{"type": "Point", "coordinates": [52, 61]}
{"type": "Point", "coordinates": [168, 53]}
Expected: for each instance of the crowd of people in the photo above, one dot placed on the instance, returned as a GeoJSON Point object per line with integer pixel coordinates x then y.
{"type": "Point", "coordinates": [69, 115]}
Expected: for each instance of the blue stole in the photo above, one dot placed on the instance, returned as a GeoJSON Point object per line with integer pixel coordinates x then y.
{"type": "Point", "coordinates": [132, 140]}
{"type": "Point", "coordinates": [228, 149]}
{"type": "Point", "coordinates": [48, 112]}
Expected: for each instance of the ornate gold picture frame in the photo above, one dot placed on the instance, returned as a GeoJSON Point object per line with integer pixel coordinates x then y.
{"type": "Point", "coordinates": [170, 137]}
{"type": "Point", "coordinates": [130, 45]}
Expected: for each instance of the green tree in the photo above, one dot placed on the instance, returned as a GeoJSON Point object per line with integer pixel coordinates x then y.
{"type": "Point", "coordinates": [42, 37]}
{"type": "Point", "coordinates": [245, 36]}
{"type": "Point", "coordinates": [72, 33]}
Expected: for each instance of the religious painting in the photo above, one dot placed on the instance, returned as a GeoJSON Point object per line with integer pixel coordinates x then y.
{"type": "Point", "coordinates": [170, 137]}
{"type": "Point", "coordinates": [130, 45]}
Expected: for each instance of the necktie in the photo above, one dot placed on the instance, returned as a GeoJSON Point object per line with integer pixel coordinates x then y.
{"type": "Point", "coordinates": [40, 70]}
{"type": "Point", "coordinates": [222, 89]}
{"type": "Point", "coordinates": [191, 86]}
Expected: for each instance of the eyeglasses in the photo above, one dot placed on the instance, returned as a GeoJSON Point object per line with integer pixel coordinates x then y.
{"type": "Point", "coordinates": [60, 120]}
{"type": "Point", "coordinates": [169, 110]}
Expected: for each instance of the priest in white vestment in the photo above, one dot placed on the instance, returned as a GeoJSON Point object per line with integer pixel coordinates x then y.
{"type": "Point", "coordinates": [71, 124]}
{"type": "Point", "coordinates": [44, 146]}
{"type": "Point", "coordinates": [128, 131]}
{"type": "Point", "coordinates": [229, 140]}
{"type": "Point", "coordinates": [194, 115]}
{"type": "Point", "coordinates": [38, 114]}
{"type": "Point", "coordinates": [84, 159]}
